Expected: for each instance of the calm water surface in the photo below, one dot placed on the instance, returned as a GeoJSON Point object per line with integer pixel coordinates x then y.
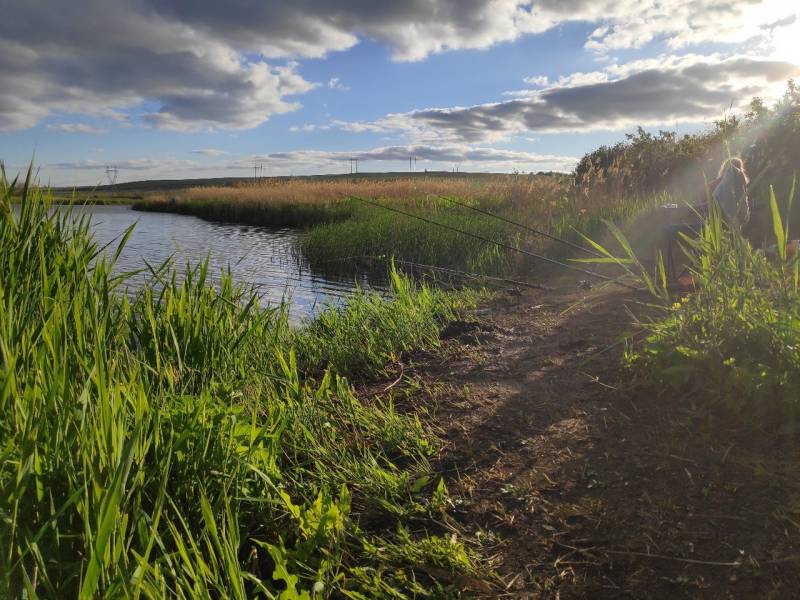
{"type": "Point", "coordinates": [267, 258]}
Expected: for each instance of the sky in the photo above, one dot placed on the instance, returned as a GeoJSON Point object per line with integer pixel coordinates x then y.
{"type": "Point", "coordinates": [171, 89]}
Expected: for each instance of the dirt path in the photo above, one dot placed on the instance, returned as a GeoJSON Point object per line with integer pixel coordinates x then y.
{"type": "Point", "coordinates": [579, 486]}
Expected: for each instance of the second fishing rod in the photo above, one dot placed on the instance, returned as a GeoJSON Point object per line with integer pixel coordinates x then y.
{"type": "Point", "coordinates": [534, 230]}
{"type": "Point", "coordinates": [494, 242]}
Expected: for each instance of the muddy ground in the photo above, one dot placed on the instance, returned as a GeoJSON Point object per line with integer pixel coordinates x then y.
{"type": "Point", "coordinates": [580, 484]}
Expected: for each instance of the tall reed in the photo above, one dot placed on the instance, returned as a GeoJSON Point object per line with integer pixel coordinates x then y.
{"type": "Point", "coordinates": [171, 444]}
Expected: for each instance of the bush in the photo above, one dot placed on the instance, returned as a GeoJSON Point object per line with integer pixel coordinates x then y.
{"type": "Point", "coordinates": [736, 338]}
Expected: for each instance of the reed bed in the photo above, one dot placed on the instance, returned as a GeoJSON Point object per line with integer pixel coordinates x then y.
{"type": "Point", "coordinates": [343, 232]}
{"type": "Point", "coordinates": [186, 443]}
{"type": "Point", "coordinates": [307, 202]}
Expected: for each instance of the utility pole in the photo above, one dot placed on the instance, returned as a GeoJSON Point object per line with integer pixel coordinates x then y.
{"type": "Point", "coordinates": [412, 163]}
{"type": "Point", "coordinates": [257, 167]}
{"type": "Point", "coordinates": [111, 174]}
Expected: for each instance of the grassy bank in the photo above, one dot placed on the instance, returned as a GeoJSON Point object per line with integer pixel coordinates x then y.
{"type": "Point", "coordinates": [342, 229]}
{"type": "Point", "coordinates": [187, 443]}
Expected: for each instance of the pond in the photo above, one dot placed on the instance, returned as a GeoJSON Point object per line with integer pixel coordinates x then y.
{"type": "Point", "coordinates": [266, 258]}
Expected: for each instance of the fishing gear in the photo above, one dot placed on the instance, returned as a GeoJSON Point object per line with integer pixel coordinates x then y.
{"type": "Point", "coordinates": [522, 226]}
{"type": "Point", "coordinates": [464, 274]}
{"type": "Point", "coordinates": [496, 243]}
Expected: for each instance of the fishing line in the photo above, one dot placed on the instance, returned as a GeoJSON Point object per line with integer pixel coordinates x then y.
{"type": "Point", "coordinates": [526, 227]}
{"type": "Point", "coordinates": [496, 243]}
{"type": "Point", "coordinates": [465, 274]}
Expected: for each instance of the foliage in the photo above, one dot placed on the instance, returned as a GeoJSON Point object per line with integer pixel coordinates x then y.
{"type": "Point", "coordinates": [170, 445]}
{"type": "Point", "coordinates": [644, 164]}
{"type": "Point", "coordinates": [735, 338]}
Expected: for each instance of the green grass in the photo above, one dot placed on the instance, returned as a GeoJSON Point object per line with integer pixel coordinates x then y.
{"type": "Point", "coordinates": [186, 443]}
{"type": "Point", "coordinates": [736, 338]}
{"type": "Point", "coordinates": [376, 233]}
{"type": "Point", "coordinates": [269, 214]}
{"type": "Point", "coordinates": [365, 337]}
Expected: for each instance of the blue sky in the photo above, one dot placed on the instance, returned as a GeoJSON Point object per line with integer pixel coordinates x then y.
{"type": "Point", "coordinates": [177, 89]}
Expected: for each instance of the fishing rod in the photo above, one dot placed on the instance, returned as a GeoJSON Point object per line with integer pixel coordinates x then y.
{"type": "Point", "coordinates": [534, 286]}
{"type": "Point", "coordinates": [464, 274]}
{"type": "Point", "coordinates": [495, 242]}
{"type": "Point", "coordinates": [522, 226]}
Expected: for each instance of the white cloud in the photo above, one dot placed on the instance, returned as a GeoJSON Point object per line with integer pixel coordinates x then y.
{"type": "Point", "coordinates": [307, 128]}
{"type": "Point", "coordinates": [539, 81]}
{"type": "Point", "coordinates": [335, 83]}
{"type": "Point", "coordinates": [209, 65]}
{"type": "Point", "coordinates": [78, 128]}
{"type": "Point", "coordinates": [210, 152]}
{"type": "Point", "coordinates": [665, 89]}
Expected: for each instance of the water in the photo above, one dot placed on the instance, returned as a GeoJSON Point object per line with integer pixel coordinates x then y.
{"type": "Point", "coordinates": [267, 258]}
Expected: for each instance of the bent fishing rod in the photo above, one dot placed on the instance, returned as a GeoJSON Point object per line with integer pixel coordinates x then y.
{"type": "Point", "coordinates": [522, 226]}
{"type": "Point", "coordinates": [495, 242]}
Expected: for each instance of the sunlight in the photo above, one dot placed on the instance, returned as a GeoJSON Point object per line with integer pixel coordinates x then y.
{"type": "Point", "coordinates": [784, 41]}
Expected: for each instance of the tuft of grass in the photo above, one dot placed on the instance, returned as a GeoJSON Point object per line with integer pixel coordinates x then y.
{"type": "Point", "coordinates": [172, 445]}
{"type": "Point", "coordinates": [370, 332]}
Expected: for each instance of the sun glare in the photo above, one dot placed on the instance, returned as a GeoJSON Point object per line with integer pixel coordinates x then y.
{"type": "Point", "coordinates": [784, 40]}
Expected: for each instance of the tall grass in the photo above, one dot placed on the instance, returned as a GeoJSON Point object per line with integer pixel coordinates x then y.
{"type": "Point", "coordinates": [546, 205]}
{"type": "Point", "coordinates": [342, 230]}
{"type": "Point", "coordinates": [181, 444]}
{"type": "Point", "coordinates": [735, 337]}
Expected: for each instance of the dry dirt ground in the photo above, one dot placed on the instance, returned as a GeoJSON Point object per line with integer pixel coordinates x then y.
{"type": "Point", "coordinates": [580, 484]}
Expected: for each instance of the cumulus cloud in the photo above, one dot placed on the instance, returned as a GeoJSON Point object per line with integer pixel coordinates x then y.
{"type": "Point", "coordinates": [413, 30]}
{"type": "Point", "coordinates": [208, 64]}
{"type": "Point", "coordinates": [664, 89]}
{"type": "Point", "coordinates": [104, 56]}
{"type": "Point", "coordinates": [78, 128]}
{"type": "Point", "coordinates": [467, 157]}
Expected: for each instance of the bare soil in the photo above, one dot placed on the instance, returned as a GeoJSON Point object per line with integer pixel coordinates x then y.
{"type": "Point", "coordinates": [579, 483]}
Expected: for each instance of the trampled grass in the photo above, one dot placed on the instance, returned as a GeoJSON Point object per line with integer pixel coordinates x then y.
{"type": "Point", "coordinates": [186, 443]}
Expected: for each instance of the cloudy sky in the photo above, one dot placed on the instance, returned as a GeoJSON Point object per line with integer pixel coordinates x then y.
{"type": "Point", "coordinates": [203, 88]}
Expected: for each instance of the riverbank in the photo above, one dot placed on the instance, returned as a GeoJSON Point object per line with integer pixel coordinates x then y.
{"type": "Point", "coordinates": [364, 222]}
{"type": "Point", "coordinates": [583, 483]}
{"type": "Point", "coordinates": [185, 441]}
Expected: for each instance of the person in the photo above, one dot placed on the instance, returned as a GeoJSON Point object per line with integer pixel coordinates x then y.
{"type": "Point", "coordinates": [729, 190]}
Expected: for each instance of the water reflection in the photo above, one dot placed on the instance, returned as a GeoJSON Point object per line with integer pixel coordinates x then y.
{"type": "Point", "coordinates": [268, 259]}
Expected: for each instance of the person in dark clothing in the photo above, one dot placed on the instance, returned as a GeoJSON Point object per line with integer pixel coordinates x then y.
{"type": "Point", "coordinates": [730, 192]}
